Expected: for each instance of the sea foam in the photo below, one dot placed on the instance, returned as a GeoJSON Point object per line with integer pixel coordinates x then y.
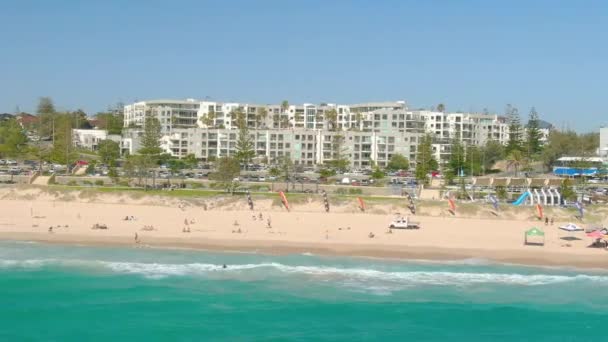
{"type": "Point", "coordinates": [328, 273]}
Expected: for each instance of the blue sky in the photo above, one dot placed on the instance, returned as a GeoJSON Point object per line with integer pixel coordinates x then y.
{"type": "Point", "coordinates": [469, 55]}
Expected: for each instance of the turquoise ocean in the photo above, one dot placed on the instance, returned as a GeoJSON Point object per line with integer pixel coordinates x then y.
{"type": "Point", "coordinates": [77, 293]}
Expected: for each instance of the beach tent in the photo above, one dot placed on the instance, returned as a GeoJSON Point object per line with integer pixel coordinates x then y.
{"type": "Point", "coordinates": [571, 228]}
{"type": "Point", "coordinates": [532, 233]}
{"type": "Point", "coordinates": [284, 200]}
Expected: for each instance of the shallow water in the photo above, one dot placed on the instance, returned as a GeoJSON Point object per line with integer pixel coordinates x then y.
{"type": "Point", "coordinates": [55, 292]}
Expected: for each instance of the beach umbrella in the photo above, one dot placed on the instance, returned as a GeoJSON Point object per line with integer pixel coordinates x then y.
{"type": "Point", "coordinates": [361, 203]}
{"type": "Point", "coordinates": [284, 200]}
{"type": "Point", "coordinates": [539, 211]}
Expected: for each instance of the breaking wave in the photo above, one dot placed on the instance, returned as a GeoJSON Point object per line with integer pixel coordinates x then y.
{"type": "Point", "coordinates": [325, 273]}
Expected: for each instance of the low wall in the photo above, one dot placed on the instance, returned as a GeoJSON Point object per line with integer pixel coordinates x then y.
{"type": "Point", "coordinates": [20, 179]}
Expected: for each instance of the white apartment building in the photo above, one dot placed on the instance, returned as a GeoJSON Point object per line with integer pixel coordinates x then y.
{"type": "Point", "coordinates": [302, 146]}
{"type": "Point", "coordinates": [89, 138]}
{"type": "Point", "coordinates": [372, 131]}
{"type": "Point", "coordinates": [170, 113]}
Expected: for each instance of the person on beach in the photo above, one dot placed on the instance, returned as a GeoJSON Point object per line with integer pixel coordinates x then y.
{"type": "Point", "coordinates": [136, 238]}
{"type": "Point", "coordinates": [546, 221]}
{"type": "Point", "coordinates": [261, 217]}
{"type": "Point", "coordinates": [551, 220]}
{"type": "Point", "coordinates": [50, 229]}
{"type": "Point", "coordinates": [268, 225]}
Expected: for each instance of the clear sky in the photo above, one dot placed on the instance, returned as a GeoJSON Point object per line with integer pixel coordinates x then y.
{"type": "Point", "coordinates": [469, 55]}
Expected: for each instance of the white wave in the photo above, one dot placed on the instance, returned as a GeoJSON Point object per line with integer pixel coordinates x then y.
{"type": "Point", "coordinates": [351, 276]}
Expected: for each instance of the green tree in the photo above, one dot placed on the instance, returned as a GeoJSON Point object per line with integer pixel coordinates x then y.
{"type": "Point", "coordinates": [533, 135]}
{"type": "Point", "coordinates": [209, 119]}
{"type": "Point", "coordinates": [190, 161]}
{"type": "Point", "coordinates": [492, 152]}
{"type": "Point", "coordinates": [46, 118]}
{"type": "Point", "coordinates": [138, 166]}
{"type": "Point", "coordinates": [326, 173]}
{"type": "Point", "coordinates": [457, 162]}
{"type": "Point", "coordinates": [377, 174]}
{"type": "Point", "coordinates": [261, 116]}
{"type": "Point", "coordinates": [63, 150]}
{"type": "Point", "coordinates": [80, 119]}
{"type": "Point", "coordinates": [515, 130]}
{"type": "Point", "coordinates": [13, 141]}
{"type": "Point", "coordinates": [274, 174]}
{"type": "Point", "coordinates": [150, 142]}
{"type": "Point", "coordinates": [441, 107]}
{"type": "Point", "coordinates": [515, 161]}
{"type": "Point", "coordinates": [398, 162]}
{"type": "Point", "coordinates": [286, 167]}
{"type": "Point", "coordinates": [566, 190]}
{"type": "Point", "coordinates": [339, 155]}
{"type": "Point", "coordinates": [45, 106]}
{"type": "Point", "coordinates": [331, 116]}
{"type": "Point", "coordinates": [358, 119]}
{"type": "Point", "coordinates": [238, 118]}
{"type": "Point", "coordinates": [425, 161]}
{"type": "Point", "coordinates": [284, 105]}
{"type": "Point", "coordinates": [109, 152]}
{"type": "Point", "coordinates": [473, 162]}
{"type": "Point", "coordinates": [244, 147]}
{"type": "Point", "coordinates": [110, 121]}
{"type": "Point", "coordinates": [226, 170]}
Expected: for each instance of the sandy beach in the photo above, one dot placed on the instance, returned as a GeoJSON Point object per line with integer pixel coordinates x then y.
{"type": "Point", "coordinates": [27, 214]}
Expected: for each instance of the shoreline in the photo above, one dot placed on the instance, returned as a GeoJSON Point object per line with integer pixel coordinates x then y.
{"type": "Point", "coordinates": [398, 253]}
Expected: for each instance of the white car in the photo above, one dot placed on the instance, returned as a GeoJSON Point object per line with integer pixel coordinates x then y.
{"type": "Point", "coordinates": [404, 223]}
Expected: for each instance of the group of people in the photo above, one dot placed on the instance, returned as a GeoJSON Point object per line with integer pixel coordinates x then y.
{"type": "Point", "coordinates": [548, 220]}
{"type": "Point", "coordinates": [261, 218]}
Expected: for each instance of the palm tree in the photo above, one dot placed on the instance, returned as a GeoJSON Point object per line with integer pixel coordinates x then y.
{"type": "Point", "coordinates": [260, 116]}
{"type": "Point", "coordinates": [514, 161]}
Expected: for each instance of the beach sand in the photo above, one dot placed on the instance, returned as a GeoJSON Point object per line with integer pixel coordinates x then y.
{"type": "Point", "coordinates": [27, 214]}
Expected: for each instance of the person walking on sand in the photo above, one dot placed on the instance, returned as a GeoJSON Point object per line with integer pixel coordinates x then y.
{"type": "Point", "coordinates": [136, 238]}
{"type": "Point", "coordinates": [546, 221]}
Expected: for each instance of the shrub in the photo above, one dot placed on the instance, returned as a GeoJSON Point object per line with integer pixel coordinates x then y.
{"type": "Point", "coordinates": [341, 191]}
{"type": "Point", "coordinates": [355, 191]}
{"type": "Point", "coordinates": [72, 183]}
{"type": "Point", "coordinates": [86, 182]}
{"type": "Point", "coordinates": [99, 182]}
